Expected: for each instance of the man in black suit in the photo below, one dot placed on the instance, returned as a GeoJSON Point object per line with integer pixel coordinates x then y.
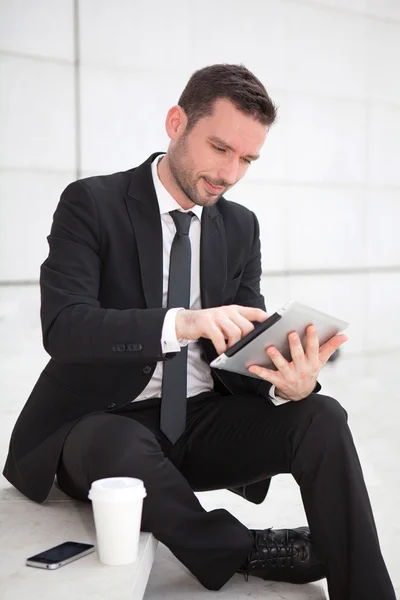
{"type": "Point", "coordinates": [151, 273]}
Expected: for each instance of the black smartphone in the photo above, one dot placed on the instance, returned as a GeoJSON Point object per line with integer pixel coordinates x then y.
{"type": "Point", "coordinates": [59, 555]}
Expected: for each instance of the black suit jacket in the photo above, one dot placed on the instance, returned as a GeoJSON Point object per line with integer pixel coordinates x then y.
{"type": "Point", "coordinates": [102, 315]}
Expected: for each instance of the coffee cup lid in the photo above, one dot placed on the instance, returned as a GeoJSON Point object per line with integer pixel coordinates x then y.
{"type": "Point", "coordinates": [117, 489]}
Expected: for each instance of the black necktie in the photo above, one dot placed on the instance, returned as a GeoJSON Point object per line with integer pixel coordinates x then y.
{"type": "Point", "coordinates": [174, 386]}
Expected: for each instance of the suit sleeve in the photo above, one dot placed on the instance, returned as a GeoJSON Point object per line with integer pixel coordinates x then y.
{"type": "Point", "coordinates": [75, 328]}
{"type": "Point", "coordinates": [249, 294]}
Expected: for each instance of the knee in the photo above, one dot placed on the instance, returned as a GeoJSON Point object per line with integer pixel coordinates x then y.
{"type": "Point", "coordinates": [323, 432]}
{"type": "Point", "coordinates": [326, 410]}
{"type": "Point", "coordinates": [121, 437]}
{"type": "Point", "coordinates": [108, 445]}
{"type": "Point", "coordinates": [105, 445]}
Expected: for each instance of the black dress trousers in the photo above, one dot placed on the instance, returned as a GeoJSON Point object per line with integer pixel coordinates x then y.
{"type": "Point", "coordinates": [231, 441]}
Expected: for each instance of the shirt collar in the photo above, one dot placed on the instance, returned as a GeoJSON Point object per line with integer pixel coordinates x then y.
{"type": "Point", "coordinates": [166, 202]}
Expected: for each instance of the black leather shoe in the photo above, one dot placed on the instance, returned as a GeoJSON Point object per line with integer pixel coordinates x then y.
{"type": "Point", "coordinates": [283, 555]}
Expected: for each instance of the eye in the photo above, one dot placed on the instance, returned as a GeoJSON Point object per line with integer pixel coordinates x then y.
{"type": "Point", "coordinates": [218, 149]}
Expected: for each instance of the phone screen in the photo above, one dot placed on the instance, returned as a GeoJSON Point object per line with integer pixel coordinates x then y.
{"type": "Point", "coordinates": [61, 552]}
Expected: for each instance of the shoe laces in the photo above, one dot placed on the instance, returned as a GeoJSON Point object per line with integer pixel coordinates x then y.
{"type": "Point", "coordinates": [268, 552]}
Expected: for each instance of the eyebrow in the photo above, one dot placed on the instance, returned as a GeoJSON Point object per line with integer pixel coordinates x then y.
{"type": "Point", "coordinates": [217, 140]}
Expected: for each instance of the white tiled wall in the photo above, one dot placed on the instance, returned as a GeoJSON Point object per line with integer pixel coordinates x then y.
{"type": "Point", "coordinates": [382, 228]}
{"type": "Point", "coordinates": [37, 128]}
{"type": "Point", "coordinates": [325, 226]}
{"type": "Point", "coordinates": [37, 121]}
{"type": "Point", "coordinates": [40, 28]}
{"type": "Point", "coordinates": [340, 295]}
{"type": "Point", "coordinates": [325, 50]}
{"type": "Point", "coordinates": [383, 52]}
{"type": "Point", "coordinates": [327, 188]}
{"type": "Point", "coordinates": [389, 9]}
{"type": "Point", "coordinates": [383, 316]}
{"type": "Point", "coordinates": [117, 108]}
{"type": "Point", "coordinates": [325, 139]}
{"type": "Point", "coordinates": [383, 150]}
{"type": "Point", "coordinates": [25, 219]}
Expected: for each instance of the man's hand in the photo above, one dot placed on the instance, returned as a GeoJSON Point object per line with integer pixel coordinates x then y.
{"type": "Point", "coordinates": [218, 324]}
{"type": "Point", "coordinates": [297, 379]}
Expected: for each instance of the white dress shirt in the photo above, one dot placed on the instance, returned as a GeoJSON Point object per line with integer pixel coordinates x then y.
{"type": "Point", "coordinates": [199, 377]}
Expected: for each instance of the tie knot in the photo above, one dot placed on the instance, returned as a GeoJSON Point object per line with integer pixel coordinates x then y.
{"type": "Point", "coordinates": [182, 221]}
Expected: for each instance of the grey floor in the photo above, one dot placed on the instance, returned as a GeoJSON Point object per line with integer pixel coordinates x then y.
{"type": "Point", "coordinates": [365, 385]}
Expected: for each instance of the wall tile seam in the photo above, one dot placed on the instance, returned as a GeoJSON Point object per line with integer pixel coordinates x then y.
{"type": "Point", "coordinates": [343, 9]}
{"type": "Point", "coordinates": [36, 170]}
{"type": "Point", "coordinates": [363, 98]}
{"type": "Point", "coordinates": [339, 271]}
{"type": "Point", "coordinates": [36, 58]}
{"type": "Point", "coordinates": [325, 185]}
{"type": "Point", "coordinates": [285, 273]}
{"type": "Point", "coordinates": [270, 182]}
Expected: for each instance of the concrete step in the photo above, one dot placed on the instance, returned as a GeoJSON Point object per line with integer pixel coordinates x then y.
{"type": "Point", "coordinates": [27, 528]}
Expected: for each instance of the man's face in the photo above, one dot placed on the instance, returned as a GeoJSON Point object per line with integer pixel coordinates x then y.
{"type": "Point", "coordinates": [216, 153]}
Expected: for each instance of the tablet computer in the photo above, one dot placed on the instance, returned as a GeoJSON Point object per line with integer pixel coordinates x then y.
{"type": "Point", "coordinates": [274, 331]}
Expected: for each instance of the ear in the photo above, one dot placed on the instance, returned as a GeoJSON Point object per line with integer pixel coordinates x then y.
{"type": "Point", "coordinates": [176, 121]}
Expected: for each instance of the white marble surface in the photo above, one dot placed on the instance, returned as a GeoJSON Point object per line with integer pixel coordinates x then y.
{"type": "Point", "coordinates": [365, 385]}
{"type": "Point", "coordinates": [28, 528]}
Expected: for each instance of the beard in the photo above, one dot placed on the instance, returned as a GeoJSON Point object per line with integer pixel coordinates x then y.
{"type": "Point", "coordinates": [182, 170]}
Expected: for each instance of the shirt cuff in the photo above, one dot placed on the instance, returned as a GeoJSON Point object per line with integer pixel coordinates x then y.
{"type": "Point", "coordinates": [169, 341]}
{"type": "Point", "coordinates": [276, 399]}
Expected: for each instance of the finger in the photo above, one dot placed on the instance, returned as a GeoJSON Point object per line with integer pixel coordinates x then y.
{"type": "Point", "coordinates": [273, 377]}
{"type": "Point", "coordinates": [312, 344]}
{"type": "Point", "coordinates": [279, 361]}
{"type": "Point", "coordinates": [296, 350]}
{"type": "Point", "coordinates": [252, 314]}
{"type": "Point", "coordinates": [231, 331]}
{"type": "Point", "coordinates": [217, 337]}
{"type": "Point", "coordinates": [245, 325]}
{"type": "Point", "coordinates": [331, 346]}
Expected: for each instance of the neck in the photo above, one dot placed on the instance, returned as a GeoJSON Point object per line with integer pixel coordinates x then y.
{"type": "Point", "coordinates": [166, 178]}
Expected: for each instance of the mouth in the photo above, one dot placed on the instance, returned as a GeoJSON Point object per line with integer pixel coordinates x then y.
{"type": "Point", "coordinates": [215, 190]}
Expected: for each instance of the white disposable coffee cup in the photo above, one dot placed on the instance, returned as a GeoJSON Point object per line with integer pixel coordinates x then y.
{"type": "Point", "coordinates": [117, 508]}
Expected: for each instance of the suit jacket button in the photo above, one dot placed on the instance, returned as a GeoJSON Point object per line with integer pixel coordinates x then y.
{"type": "Point", "coordinates": [111, 405]}
{"type": "Point", "coordinates": [147, 370]}
{"type": "Point", "coordinates": [134, 347]}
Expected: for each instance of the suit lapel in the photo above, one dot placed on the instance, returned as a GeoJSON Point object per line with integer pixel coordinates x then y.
{"type": "Point", "coordinates": [144, 212]}
{"type": "Point", "coordinates": [212, 257]}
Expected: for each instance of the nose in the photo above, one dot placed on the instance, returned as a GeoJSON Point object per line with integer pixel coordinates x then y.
{"type": "Point", "coordinates": [229, 172]}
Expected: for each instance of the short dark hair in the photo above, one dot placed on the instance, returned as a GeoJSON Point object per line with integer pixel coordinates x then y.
{"type": "Point", "coordinates": [233, 82]}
